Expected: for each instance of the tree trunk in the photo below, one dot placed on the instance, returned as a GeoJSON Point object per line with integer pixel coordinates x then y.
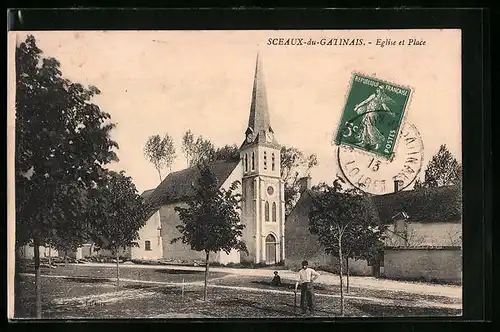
{"type": "Point", "coordinates": [117, 269]}
{"type": "Point", "coordinates": [159, 174]}
{"type": "Point", "coordinates": [341, 277]}
{"type": "Point", "coordinates": [38, 286]}
{"type": "Point", "coordinates": [50, 261]}
{"type": "Point", "coordinates": [206, 275]}
{"type": "Point", "coordinates": [347, 268]}
{"type": "Point", "coordinates": [65, 258]}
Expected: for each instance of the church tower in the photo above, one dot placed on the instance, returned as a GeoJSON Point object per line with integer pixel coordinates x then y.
{"type": "Point", "coordinates": [263, 200]}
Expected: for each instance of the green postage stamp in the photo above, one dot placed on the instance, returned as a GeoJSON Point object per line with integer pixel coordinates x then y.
{"type": "Point", "coordinates": [373, 115]}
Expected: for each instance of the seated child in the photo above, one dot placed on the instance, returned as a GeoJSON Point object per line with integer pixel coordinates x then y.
{"type": "Point", "coordinates": [276, 280]}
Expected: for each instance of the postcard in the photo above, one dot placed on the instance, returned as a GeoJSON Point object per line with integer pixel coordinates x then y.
{"type": "Point", "coordinates": [235, 174]}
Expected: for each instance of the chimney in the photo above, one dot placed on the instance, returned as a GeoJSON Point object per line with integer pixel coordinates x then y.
{"type": "Point", "coordinates": [305, 183]}
{"type": "Point", "coordinates": [396, 185]}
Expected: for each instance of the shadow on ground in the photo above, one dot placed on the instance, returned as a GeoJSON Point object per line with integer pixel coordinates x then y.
{"type": "Point", "coordinates": [87, 280]}
{"type": "Point", "coordinates": [168, 271]}
{"type": "Point", "coordinates": [165, 290]}
{"type": "Point", "coordinates": [382, 310]}
{"type": "Point", "coordinates": [251, 304]}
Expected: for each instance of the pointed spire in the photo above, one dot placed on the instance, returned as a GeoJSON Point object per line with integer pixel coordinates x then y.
{"type": "Point", "coordinates": [259, 114]}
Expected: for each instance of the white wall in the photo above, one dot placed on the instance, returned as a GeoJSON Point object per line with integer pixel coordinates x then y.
{"type": "Point", "coordinates": [150, 233]}
{"type": "Point", "coordinates": [413, 263]}
{"type": "Point", "coordinates": [28, 252]}
{"type": "Point", "coordinates": [232, 257]}
{"type": "Point", "coordinates": [430, 234]}
{"type": "Point", "coordinates": [234, 176]}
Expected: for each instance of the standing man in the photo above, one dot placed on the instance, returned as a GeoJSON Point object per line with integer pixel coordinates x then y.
{"type": "Point", "coordinates": [306, 278]}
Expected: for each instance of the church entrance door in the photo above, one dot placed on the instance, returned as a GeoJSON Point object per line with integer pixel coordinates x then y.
{"type": "Point", "coordinates": [270, 249]}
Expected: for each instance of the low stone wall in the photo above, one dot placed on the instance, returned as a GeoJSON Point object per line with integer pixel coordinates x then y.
{"type": "Point", "coordinates": [425, 263]}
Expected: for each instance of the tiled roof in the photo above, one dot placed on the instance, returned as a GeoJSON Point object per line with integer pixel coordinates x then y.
{"type": "Point", "coordinates": [441, 204]}
{"type": "Point", "coordinates": [178, 186]}
{"type": "Point", "coordinates": [147, 193]}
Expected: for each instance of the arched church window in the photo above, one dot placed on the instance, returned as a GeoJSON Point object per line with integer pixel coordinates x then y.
{"type": "Point", "coordinates": [272, 162]}
{"type": "Point", "coordinates": [265, 160]}
{"type": "Point", "coordinates": [274, 211]}
{"type": "Point", "coordinates": [246, 162]}
{"type": "Point", "coordinates": [266, 211]}
{"type": "Point", "coordinates": [253, 161]}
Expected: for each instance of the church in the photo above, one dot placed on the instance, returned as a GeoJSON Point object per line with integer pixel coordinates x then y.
{"type": "Point", "coordinates": [262, 192]}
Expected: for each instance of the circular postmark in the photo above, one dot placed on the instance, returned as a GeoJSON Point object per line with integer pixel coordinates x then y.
{"type": "Point", "coordinates": [375, 175]}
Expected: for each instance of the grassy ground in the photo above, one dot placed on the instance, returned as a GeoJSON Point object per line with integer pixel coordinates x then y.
{"type": "Point", "coordinates": [162, 275]}
{"type": "Point", "coordinates": [248, 281]}
{"type": "Point", "coordinates": [91, 293]}
{"type": "Point", "coordinates": [63, 298]}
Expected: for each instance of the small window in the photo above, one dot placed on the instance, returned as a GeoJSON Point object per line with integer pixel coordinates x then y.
{"type": "Point", "coordinates": [272, 162]}
{"type": "Point", "coordinates": [266, 211]}
{"type": "Point", "coordinates": [147, 245]}
{"type": "Point", "coordinates": [274, 211]}
{"type": "Point", "coordinates": [246, 163]}
{"type": "Point", "coordinates": [253, 161]}
{"type": "Point", "coordinates": [265, 160]}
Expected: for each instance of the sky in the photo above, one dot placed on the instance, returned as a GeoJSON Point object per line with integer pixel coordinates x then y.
{"type": "Point", "coordinates": [157, 82]}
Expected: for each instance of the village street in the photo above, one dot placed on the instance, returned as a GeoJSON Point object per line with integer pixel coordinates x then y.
{"type": "Point", "coordinates": [232, 292]}
{"type": "Point", "coordinates": [325, 278]}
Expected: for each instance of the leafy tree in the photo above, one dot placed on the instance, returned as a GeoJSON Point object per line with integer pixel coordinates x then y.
{"type": "Point", "coordinates": [199, 150]}
{"type": "Point", "coordinates": [443, 170]}
{"type": "Point", "coordinates": [211, 221]}
{"type": "Point", "coordinates": [204, 151]}
{"type": "Point", "coordinates": [228, 153]}
{"type": "Point", "coordinates": [68, 239]}
{"type": "Point", "coordinates": [188, 146]}
{"type": "Point", "coordinates": [119, 212]}
{"type": "Point", "coordinates": [62, 144]}
{"type": "Point", "coordinates": [160, 152]}
{"type": "Point", "coordinates": [294, 165]}
{"type": "Point", "coordinates": [363, 240]}
{"type": "Point", "coordinates": [341, 219]}
{"type": "Point", "coordinates": [418, 184]}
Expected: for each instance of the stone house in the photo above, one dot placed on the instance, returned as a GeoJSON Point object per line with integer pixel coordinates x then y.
{"type": "Point", "coordinates": [423, 239]}
{"type": "Point", "coordinates": [160, 229]}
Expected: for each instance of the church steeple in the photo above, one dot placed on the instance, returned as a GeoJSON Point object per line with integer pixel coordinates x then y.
{"type": "Point", "coordinates": [263, 191]}
{"type": "Point", "coordinates": [259, 125]}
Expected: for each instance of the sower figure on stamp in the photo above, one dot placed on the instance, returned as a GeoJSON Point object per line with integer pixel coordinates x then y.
{"type": "Point", "coordinates": [306, 279]}
{"type": "Point", "coordinates": [369, 109]}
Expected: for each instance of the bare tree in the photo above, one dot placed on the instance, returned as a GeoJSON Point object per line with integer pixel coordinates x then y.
{"type": "Point", "coordinates": [294, 165]}
{"type": "Point", "coordinates": [410, 238]}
